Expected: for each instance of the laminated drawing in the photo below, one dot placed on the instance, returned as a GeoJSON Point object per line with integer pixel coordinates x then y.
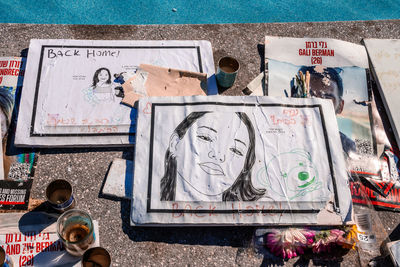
{"type": "Point", "coordinates": [238, 160]}
{"type": "Point", "coordinates": [71, 96]}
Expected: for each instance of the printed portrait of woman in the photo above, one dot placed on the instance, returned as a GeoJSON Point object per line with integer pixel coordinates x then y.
{"type": "Point", "coordinates": [102, 86]}
{"type": "Point", "coordinates": [210, 158]}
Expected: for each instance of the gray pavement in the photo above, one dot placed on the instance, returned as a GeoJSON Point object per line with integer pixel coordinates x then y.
{"type": "Point", "coordinates": [86, 168]}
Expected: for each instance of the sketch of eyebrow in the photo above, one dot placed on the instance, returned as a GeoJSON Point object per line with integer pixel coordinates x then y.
{"type": "Point", "coordinates": [208, 128]}
{"type": "Point", "coordinates": [240, 141]}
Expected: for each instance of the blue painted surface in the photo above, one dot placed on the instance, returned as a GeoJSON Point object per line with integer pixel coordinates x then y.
{"type": "Point", "coordinates": [193, 11]}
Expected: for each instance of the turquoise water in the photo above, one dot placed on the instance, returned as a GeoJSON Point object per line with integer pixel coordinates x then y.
{"type": "Point", "coordinates": [193, 12]}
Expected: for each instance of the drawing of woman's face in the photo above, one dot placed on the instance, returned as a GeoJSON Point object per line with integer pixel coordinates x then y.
{"type": "Point", "coordinates": [212, 153]}
{"type": "Point", "coordinates": [103, 76]}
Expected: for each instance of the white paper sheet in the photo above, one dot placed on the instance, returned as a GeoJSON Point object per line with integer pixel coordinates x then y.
{"type": "Point", "coordinates": [69, 94]}
{"type": "Point", "coordinates": [238, 160]}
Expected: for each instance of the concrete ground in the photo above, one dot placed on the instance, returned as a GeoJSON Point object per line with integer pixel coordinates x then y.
{"type": "Point", "coordinates": [86, 168]}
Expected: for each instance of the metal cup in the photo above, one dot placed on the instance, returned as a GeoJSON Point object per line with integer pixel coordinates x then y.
{"type": "Point", "coordinates": [97, 256]}
{"type": "Point", "coordinates": [227, 70]}
{"type": "Point", "coordinates": [5, 260]}
{"type": "Point", "coordinates": [60, 196]}
{"type": "Point", "coordinates": [75, 229]}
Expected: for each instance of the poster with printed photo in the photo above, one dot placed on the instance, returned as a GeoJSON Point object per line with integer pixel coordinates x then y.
{"type": "Point", "coordinates": [334, 70]}
{"type": "Point", "coordinates": [17, 165]}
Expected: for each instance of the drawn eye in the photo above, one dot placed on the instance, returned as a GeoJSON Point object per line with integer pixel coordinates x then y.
{"type": "Point", "coordinates": [236, 151]}
{"type": "Point", "coordinates": [204, 138]}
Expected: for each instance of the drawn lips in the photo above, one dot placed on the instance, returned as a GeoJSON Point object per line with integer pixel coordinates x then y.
{"type": "Point", "coordinates": [211, 168]}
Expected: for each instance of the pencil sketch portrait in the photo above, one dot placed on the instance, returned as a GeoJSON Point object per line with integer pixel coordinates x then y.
{"type": "Point", "coordinates": [210, 157]}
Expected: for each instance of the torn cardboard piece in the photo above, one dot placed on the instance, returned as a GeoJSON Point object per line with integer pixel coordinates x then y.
{"type": "Point", "coordinates": [152, 80]}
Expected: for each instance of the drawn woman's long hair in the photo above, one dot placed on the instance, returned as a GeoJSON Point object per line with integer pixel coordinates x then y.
{"type": "Point", "coordinates": [96, 76]}
{"type": "Point", "coordinates": [241, 190]}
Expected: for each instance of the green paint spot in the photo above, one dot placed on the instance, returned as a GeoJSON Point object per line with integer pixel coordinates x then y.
{"type": "Point", "coordinates": [307, 184]}
{"type": "Point", "coordinates": [303, 176]}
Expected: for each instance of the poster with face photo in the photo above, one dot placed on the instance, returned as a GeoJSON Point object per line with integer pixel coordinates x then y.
{"type": "Point", "coordinates": [337, 71]}
{"type": "Point", "coordinates": [238, 160]}
{"type": "Point", "coordinates": [73, 89]}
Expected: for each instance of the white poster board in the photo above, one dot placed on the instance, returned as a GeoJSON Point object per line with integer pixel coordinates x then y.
{"type": "Point", "coordinates": [238, 160]}
{"type": "Point", "coordinates": [70, 97]}
{"type": "Point", "coordinates": [384, 57]}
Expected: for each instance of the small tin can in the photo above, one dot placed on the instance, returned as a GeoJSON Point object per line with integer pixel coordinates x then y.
{"type": "Point", "coordinates": [96, 256]}
{"type": "Point", "coordinates": [227, 71]}
{"type": "Point", "coordinates": [60, 196]}
{"type": "Point", "coordinates": [5, 260]}
{"type": "Point", "coordinates": [76, 230]}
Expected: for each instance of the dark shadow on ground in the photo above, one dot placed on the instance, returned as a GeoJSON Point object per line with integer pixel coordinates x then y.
{"type": "Point", "coordinates": [261, 52]}
{"type": "Point", "coordinates": [213, 236]}
{"type": "Point", "coordinates": [395, 234]}
{"type": "Point", "coordinates": [41, 216]}
{"type": "Point", "coordinates": [81, 150]}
